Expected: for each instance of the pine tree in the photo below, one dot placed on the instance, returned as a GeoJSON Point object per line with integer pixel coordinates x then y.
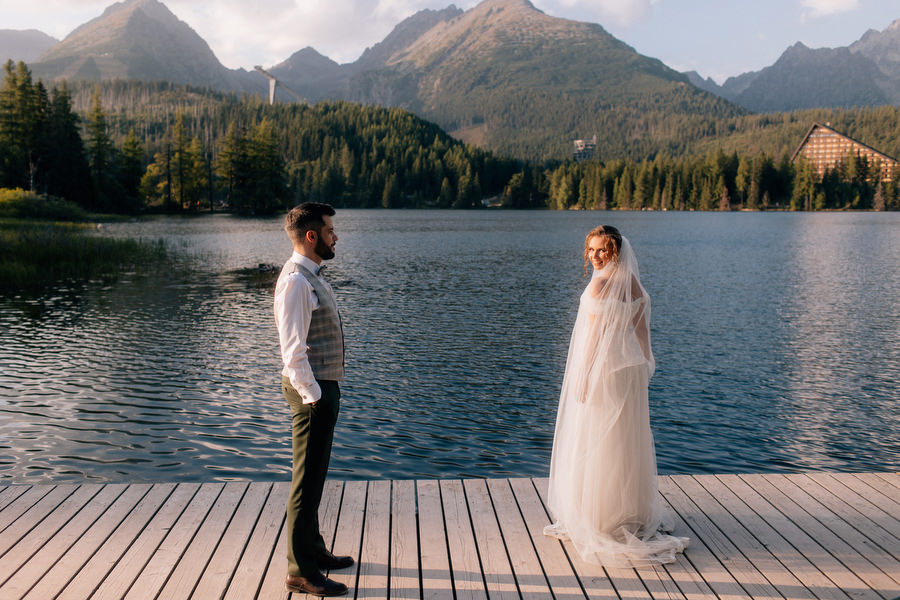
{"type": "Point", "coordinates": [446, 195]}
{"type": "Point", "coordinates": [878, 201]}
{"type": "Point", "coordinates": [266, 183]}
{"type": "Point", "coordinates": [233, 165]}
{"type": "Point", "coordinates": [131, 170]}
{"type": "Point", "coordinates": [724, 197]}
{"type": "Point", "coordinates": [391, 197]}
{"type": "Point", "coordinates": [64, 168]}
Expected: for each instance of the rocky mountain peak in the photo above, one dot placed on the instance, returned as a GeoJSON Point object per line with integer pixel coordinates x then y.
{"type": "Point", "coordinates": [136, 39]}
{"type": "Point", "coordinates": [404, 34]}
{"type": "Point", "coordinates": [493, 25]}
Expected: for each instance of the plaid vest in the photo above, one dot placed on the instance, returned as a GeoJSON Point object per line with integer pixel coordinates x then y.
{"type": "Point", "coordinates": [325, 340]}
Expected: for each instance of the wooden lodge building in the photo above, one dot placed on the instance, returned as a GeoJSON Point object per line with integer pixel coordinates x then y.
{"type": "Point", "coordinates": [584, 149]}
{"type": "Point", "coordinates": [825, 148]}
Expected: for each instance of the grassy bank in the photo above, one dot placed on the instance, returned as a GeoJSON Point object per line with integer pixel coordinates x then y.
{"type": "Point", "coordinates": [36, 249]}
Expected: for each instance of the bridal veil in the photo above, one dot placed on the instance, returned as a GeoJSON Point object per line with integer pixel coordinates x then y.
{"type": "Point", "coordinates": [603, 481]}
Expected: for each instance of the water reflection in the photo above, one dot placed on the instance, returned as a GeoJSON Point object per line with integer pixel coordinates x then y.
{"type": "Point", "coordinates": [843, 334]}
{"type": "Point", "coordinates": [776, 337]}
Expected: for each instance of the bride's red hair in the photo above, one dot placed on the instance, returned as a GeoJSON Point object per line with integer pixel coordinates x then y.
{"type": "Point", "coordinates": [612, 240]}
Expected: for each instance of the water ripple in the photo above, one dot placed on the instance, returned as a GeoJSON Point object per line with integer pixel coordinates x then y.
{"type": "Point", "coordinates": [776, 337]}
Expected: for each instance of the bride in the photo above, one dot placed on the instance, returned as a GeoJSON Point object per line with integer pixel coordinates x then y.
{"type": "Point", "coordinates": [603, 489]}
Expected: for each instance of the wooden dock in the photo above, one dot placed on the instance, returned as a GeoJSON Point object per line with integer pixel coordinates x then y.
{"type": "Point", "coordinates": [810, 536]}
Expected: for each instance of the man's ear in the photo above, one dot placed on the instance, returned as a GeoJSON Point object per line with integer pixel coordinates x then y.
{"type": "Point", "coordinates": [311, 236]}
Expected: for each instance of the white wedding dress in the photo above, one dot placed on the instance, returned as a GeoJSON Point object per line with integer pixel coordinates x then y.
{"type": "Point", "coordinates": [603, 481]}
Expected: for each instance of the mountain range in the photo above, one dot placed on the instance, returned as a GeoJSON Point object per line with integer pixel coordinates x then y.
{"type": "Point", "coordinates": [502, 75]}
{"type": "Point", "coordinates": [866, 73]}
{"type": "Point", "coordinates": [143, 40]}
{"type": "Point", "coordinates": [25, 45]}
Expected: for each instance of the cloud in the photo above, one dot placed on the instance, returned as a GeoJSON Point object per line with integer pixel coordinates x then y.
{"type": "Point", "coordinates": [268, 31]}
{"type": "Point", "coordinates": [620, 13]}
{"type": "Point", "coordinates": [244, 34]}
{"type": "Point", "coordinates": [54, 17]}
{"type": "Point", "coordinates": [823, 8]}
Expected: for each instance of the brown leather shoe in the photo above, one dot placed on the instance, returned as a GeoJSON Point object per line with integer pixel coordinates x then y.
{"type": "Point", "coordinates": [317, 585]}
{"type": "Point", "coordinates": [329, 562]}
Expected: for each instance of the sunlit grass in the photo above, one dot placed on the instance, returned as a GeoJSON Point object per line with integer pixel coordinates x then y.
{"type": "Point", "coordinates": [36, 254]}
{"type": "Point", "coordinates": [37, 250]}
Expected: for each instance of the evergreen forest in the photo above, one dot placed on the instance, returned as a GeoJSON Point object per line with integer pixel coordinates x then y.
{"type": "Point", "coordinates": [129, 147]}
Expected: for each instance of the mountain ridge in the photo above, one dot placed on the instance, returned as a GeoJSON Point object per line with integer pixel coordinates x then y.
{"type": "Point", "coordinates": [502, 75]}
{"type": "Point", "coordinates": [865, 73]}
{"type": "Point", "coordinates": [24, 44]}
{"type": "Point", "coordinates": [138, 39]}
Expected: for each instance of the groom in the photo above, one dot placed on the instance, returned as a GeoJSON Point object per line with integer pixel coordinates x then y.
{"type": "Point", "coordinates": [312, 349]}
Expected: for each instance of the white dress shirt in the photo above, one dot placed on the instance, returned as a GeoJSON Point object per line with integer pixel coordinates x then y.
{"type": "Point", "coordinates": [295, 300]}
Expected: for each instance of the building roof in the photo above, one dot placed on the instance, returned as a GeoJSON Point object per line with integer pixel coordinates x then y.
{"type": "Point", "coordinates": [820, 126]}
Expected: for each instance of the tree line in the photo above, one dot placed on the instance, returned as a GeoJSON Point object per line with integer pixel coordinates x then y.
{"type": "Point", "coordinates": [131, 146]}
{"type": "Point", "coordinates": [716, 181]}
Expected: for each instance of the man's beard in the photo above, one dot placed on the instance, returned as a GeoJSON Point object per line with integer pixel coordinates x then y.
{"type": "Point", "coordinates": [324, 250]}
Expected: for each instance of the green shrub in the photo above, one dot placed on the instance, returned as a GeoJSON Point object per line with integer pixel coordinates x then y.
{"type": "Point", "coordinates": [17, 203]}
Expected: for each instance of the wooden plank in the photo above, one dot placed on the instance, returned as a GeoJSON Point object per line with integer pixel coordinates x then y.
{"type": "Point", "coordinates": [844, 533]}
{"type": "Point", "coordinates": [674, 580]}
{"type": "Point", "coordinates": [404, 575]}
{"type": "Point", "coordinates": [892, 478]}
{"type": "Point", "coordinates": [86, 564]}
{"type": "Point", "coordinates": [251, 570]}
{"type": "Point", "coordinates": [498, 574]}
{"type": "Point", "coordinates": [272, 587]}
{"type": "Point", "coordinates": [625, 582]}
{"type": "Point", "coordinates": [229, 550]}
{"type": "Point", "coordinates": [774, 537]}
{"type": "Point", "coordinates": [8, 493]}
{"type": "Point", "coordinates": [758, 555]}
{"type": "Point", "coordinates": [330, 510]}
{"type": "Point", "coordinates": [658, 583]}
{"type": "Point", "coordinates": [61, 558]}
{"type": "Point", "coordinates": [805, 535]}
{"type": "Point", "coordinates": [437, 583]}
{"type": "Point", "coordinates": [867, 519]}
{"type": "Point", "coordinates": [468, 581]}
{"type": "Point", "coordinates": [273, 583]}
{"type": "Point", "coordinates": [348, 536]}
{"type": "Point", "coordinates": [687, 572]}
{"type": "Point", "coordinates": [27, 511]}
{"type": "Point", "coordinates": [877, 482]}
{"type": "Point", "coordinates": [737, 568]}
{"type": "Point", "coordinates": [178, 568]}
{"type": "Point", "coordinates": [172, 527]}
{"type": "Point", "coordinates": [555, 563]}
{"type": "Point", "coordinates": [46, 526]}
{"type": "Point", "coordinates": [526, 565]}
{"type": "Point", "coordinates": [593, 578]}
{"type": "Point", "coordinates": [376, 543]}
{"type": "Point", "coordinates": [835, 547]}
{"type": "Point", "coordinates": [866, 502]}
{"type": "Point", "coordinates": [17, 506]}
{"type": "Point", "coordinates": [834, 533]}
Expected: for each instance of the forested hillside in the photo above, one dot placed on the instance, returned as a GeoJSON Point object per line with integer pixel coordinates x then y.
{"type": "Point", "coordinates": [129, 146]}
{"type": "Point", "coordinates": [178, 148]}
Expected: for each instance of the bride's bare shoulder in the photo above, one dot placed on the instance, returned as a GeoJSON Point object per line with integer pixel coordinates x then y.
{"type": "Point", "coordinates": [597, 286]}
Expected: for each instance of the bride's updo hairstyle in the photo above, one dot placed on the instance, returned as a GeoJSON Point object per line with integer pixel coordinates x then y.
{"type": "Point", "coordinates": [610, 236]}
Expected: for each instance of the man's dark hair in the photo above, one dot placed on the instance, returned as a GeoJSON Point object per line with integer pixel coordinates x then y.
{"type": "Point", "coordinates": [306, 217]}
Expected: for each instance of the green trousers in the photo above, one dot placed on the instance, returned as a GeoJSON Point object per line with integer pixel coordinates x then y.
{"type": "Point", "coordinates": [312, 430]}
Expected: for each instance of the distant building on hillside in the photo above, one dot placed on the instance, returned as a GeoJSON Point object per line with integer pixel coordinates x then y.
{"type": "Point", "coordinates": [825, 148]}
{"type": "Point", "coordinates": [584, 149]}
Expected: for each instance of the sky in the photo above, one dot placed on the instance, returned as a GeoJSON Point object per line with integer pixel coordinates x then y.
{"type": "Point", "coordinates": [717, 38]}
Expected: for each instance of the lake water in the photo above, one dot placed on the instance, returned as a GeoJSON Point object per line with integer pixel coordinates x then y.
{"type": "Point", "coordinates": [777, 339]}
